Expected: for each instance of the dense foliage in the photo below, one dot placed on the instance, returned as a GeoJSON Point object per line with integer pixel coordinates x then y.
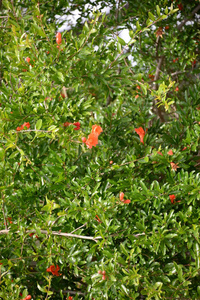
{"type": "Point", "coordinates": [108, 211]}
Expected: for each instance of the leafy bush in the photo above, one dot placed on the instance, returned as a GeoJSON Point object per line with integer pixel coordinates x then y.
{"type": "Point", "coordinates": [66, 228]}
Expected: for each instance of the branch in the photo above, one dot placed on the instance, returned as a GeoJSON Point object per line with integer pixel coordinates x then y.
{"type": "Point", "coordinates": [190, 17]}
{"type": "Point", "coordinates": [6, 231]}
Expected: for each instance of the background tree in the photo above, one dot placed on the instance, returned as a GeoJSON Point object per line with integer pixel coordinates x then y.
{"type": "Point", "coordinates": [99, 152]}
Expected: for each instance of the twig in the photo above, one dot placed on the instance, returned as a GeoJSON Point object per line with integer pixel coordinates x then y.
{"type": "Point", "coordinates": [73, 292]}
{"type": "Point", "coordinates": [190, 17]}
{"type": "Point", "coordinates": [6, 231]}
{"type": "Point", "coordinates": [79, 228]}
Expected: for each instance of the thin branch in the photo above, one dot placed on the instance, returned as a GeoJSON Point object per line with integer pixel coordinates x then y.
{"type": "Point", "coordinates": [79, 228]}
{"type": "Point", "coordinates": [6, 231]}
{"type": "Point", "coordinates": [190, 17]}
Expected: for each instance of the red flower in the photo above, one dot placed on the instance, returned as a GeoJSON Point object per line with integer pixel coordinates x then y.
{"type": "Point", "coordinates": [54, 270]}
{"type": "Point", "coordinates": [70, 298]}
{"type": "Point", "coordinates": [184, 148]}
{"type": "Point", "coordinates": [140, 131]}
{"type": "Point", "coordinates": [66, 124]}
{"type": "Point", "coordinates": [177, 89]}
{"type": "Point", "coordinates": [151, 76]}
{"type": "Point", "coordinates": [167, 27]}
{"type": "Point", "coordinates": [136, 96]}
{"type": "Point", "coordinates": [28, 59]}
{"type": "Point", "coordinates": [172, 198]}
{"type": "Point", "coordinates": [194, 62]}
{"type": "Point", "coordinates": [160, 153]}
{"type": "Point", "coordinates": [31, 234]}
{"type": "Point", "coordinates": [180, 6]}
{"type": "Point", "coordinates": [26, 124]}
{"type": "Point", "coordinates": [78, 125]}
{"type": "Point", "coordinates": [170, 152]}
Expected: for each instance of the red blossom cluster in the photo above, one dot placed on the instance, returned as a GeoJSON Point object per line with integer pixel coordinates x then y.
{"type": "Point", "coordinates": [77, 124]}
{"type": "Point", "coordinates": [151, 76]}
{"type": "Point", "coordinates": [92, 139]}
{"type": "Point", "coordinates": [26, 124]}
{"type": "Point", "coordinates": [54, 270]}
{"type": "Point", "coordinates": [103, 273]}
{"type": "Point", "coordinates": [121, 197]}
{"type": "Point", "coordinates": [140, 131]}
{"type": "Point", "coordinates": [174, 60]}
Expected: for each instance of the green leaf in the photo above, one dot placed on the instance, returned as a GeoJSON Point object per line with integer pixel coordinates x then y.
{"type": "Point", "coordinates": [158, 10]}
{"type": "Point", "coordinates": [121, 41]}
{"type": "Point", "coordinates": [151, 16]}
{"type": "Point", "coordinates": [60, 76]}
{"type": "Point", "coordinates": [38, 124]}
{"type": "Point", "coordinates": [39, 30]}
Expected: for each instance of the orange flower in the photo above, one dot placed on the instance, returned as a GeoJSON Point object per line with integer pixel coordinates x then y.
{"type": "Point", "coordinates": [121, 196]}
{"type": "Point", "coordinates": [97, 129]}
{"type": "Point", "coordinates": [93, 136]}
{"type": "Point", "coordinates": [170, 152]}
{"type": "Point", "coordinates": [97, 219]}
{"type": "Point", "coordinates": [92, 140]}
{"type": "Point", "coordinates": [140, 131]}
{"type": "Point", "coordinates": [174, 166]}
{"type": "Point", "coordinates": [172, 198]}
{"type": "Point", "coordinates": [136, 96]}
{"type": "Point", "coordinates": [54, 270]}
{"type": "Point", "coordinates": [127, 201]}
{"type": "Point", "coordinates": [58, 38]}
{"type": "Point", "coordinates": [184, 148]}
